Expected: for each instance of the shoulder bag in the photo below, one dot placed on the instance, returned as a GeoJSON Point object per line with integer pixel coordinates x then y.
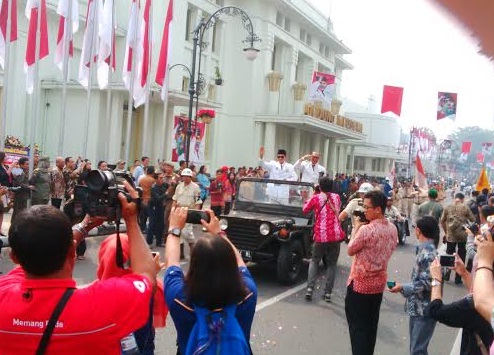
{"type": "Point", "coordinates": [45, 339]}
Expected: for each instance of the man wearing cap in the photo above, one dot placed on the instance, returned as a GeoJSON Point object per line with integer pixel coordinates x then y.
{"type": "Point", "coordinates": [355, 204]}
{"type": "Point", "coordinates": [278, 170]}
{"type": "Point", "coordinates": [387, 188]}
{"type": "Point", "coordinates": [120, 166]}
{"type": "Point", "coordinates": [187, 194]}
{"type": "Point", "coordinates": [308, 166]}
{"type": "Point", "coordinates": [431, 207]}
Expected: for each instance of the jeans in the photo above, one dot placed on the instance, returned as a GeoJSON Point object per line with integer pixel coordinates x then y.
{"type": "Point", "coordinates": [330, 252]}
{"type": "Point", "coordinates": [421, 330]}
{"type": "Point", "coordinates": [462, 252]}
{"type": "Point", "coordinates": [156, 225]}
{"type": "Point", "coordinates": [143, 217]}
{"type": "Point", "coordinates": [362, 315]}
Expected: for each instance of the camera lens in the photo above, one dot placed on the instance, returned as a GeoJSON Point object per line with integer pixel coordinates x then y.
{"type": "Point", "coordinates": [96, 180]}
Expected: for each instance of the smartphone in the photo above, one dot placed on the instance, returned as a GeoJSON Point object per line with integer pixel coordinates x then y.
{"type": "Point", "coordinates": [391, 284]}
{"type": "Point", "coordinates": [447, 260]}
{"type": "Point", "coordinates": [195, 216]}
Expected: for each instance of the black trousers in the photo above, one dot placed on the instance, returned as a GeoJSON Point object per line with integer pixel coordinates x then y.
{"type": "Point", "coordinates": [362, 315]}
{"type": "Point", "coordinates": [462, 252]}
{"type": "Point", "coordinates": [216, 210]}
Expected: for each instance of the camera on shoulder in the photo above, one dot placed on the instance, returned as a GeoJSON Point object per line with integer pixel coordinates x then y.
{"type": "Point", "coordinates": [99, 196]}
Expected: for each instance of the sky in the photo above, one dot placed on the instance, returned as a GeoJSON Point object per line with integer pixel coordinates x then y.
{"type": "Point", "coordinates": [415, 45]}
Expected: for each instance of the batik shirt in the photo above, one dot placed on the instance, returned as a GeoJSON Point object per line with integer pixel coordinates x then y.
{"type": "Point", "coordinates": [57, 187]}
{"type": "Point", "coordinates": [418, 291]}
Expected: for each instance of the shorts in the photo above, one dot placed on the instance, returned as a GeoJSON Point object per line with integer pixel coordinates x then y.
{"type": "Point", "coordinates": [187, 235]}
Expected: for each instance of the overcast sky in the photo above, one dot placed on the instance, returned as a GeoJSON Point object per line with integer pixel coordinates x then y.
{"type": "Point", "coordinates": [410, 43]}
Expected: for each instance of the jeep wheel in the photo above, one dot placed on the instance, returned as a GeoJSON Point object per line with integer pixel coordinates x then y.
{"type": "Point", "coordinates": [289, 263]}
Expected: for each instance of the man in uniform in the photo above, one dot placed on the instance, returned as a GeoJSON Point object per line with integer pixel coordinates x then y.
{"type": "Point", "coordinates": [407, 200]}
{"type": "Point", "coordinates": [431, 207]}
{"type": "Point", "coordinates": [172, 180]}
{"type": "Point", "coordinates": [41, 181]}
{"type": "Point", "coordinates": [454, 217]}
{"type": "Point", "coordinates": [187, 194]}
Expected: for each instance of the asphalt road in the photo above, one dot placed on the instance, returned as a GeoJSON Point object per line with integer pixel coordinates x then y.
{"type": "Point", "coordinates": [285, 323]}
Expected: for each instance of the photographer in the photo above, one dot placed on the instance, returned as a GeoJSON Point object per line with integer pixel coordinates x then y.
{"type": "Point", "coordinates": [92, 320]}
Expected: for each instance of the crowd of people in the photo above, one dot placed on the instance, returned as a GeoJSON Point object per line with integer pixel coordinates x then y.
{"type": "Point", "coordinates": [213, 304]}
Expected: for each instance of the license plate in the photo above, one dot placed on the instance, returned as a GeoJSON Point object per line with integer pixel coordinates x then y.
{"type": "Point", "coordinates": [246, 254]}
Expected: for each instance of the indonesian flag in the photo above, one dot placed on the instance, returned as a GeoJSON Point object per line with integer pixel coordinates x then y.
{"type": "Point", "coordinates": [465, 150]}
{"type": "Point", "coordinates": [4, 13]}
{"type": "Point", "coordinates": [89, 52]}
{"type": "Point", "coordinates": [134, 52]}
{"type": "Point", "coordinates": [31, 13]}
{"type": "Point", "coordinates": [480, 158]}
{"type": "Point", "coordinates": [392, 99]}
{"type": "Point", "coordinates": [420, 178]}
{"type": "Point", "coordinates": [162, 77]}
{"type": "Point", "coordinates": [106, 44]}
{"type": "Point", "coordinates": [63, 11]}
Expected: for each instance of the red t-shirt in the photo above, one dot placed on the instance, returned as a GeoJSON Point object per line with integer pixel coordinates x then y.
{"type": "Point", "coordinates": [93, 321]}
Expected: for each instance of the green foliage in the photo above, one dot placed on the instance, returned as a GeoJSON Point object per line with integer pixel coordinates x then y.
{"type": "Point", "coordinates": [217, 72]}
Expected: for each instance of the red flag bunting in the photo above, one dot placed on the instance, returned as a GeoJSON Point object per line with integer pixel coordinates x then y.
{"type": "Point", "coordinates": [161, 72]}
{"type": "Point", "coordinates": [4, 13]}
{"type": "Point", "coordinates": [392, 99]}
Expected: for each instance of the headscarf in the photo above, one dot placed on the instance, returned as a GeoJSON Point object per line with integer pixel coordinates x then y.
{"type": "Point", "coordinates": [108, 268]}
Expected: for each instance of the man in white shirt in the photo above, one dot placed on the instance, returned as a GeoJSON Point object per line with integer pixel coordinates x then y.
{"type": "Point", "coordinates": [278, 170]}
{"type": "Point", "coordinates": [309, 167]}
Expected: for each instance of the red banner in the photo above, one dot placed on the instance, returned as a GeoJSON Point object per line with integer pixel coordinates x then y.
{"type": "Point", "coordinates": [480, 158]}
{"type": "Point", "coordinates": [465, 150]}
{"type": "Point", "coordinates": [322, 88]}
{"type": "Point", "coordinates": [446, 105]}
{"type": "Point", "coordinates": [392, 99]}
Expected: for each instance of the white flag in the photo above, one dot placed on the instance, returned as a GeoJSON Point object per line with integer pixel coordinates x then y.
{"type": "Point", "coordinates": [63, 11]}
{"type": "Point", "coordinates": [106, 50]}
{"type": "Point", "coordinates": [90, 43]}
{"type": "Point", "coordinates": [131, 47]}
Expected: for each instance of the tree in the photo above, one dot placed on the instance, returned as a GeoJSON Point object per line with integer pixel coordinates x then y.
{"type": "Point", "coordinates": [477, 136]}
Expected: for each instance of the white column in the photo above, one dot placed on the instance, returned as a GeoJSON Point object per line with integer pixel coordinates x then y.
{"type": "Point", "coordinates": [352, 159]}
{"type": "Point", "coordinates": [270, 141]}
{"type": "Point", "coordinates": [258, 138]}
{"type": "Point", "coordinates": [332, 157]}
{"type": "Point", "coordinates": [325, 153]}
{"type": "Point", "coordinates": [295, 146]}
{"type": "Point", "coordinates": [316, 146]}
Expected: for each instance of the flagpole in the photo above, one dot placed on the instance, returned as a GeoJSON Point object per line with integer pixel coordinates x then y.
{"type": "Point", "coordinates": [6, 76]}
{"type": "Point", "coordinates": [165, 113]}
{"type": "Point", "coordinates": [130, 103]}
{"type": "Point", "coordinates": [90, 77]}
{"type": "Point", "coordinates": [65, 75]}
{"type": "Point", "coordinates": [109, 90]}
{"type": "Point", "coordinates": [146, 103]}
{"type": "Point", "coordinates": [35, 97]}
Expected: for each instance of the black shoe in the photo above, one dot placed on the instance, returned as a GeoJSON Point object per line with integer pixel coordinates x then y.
{"type": "Point", "coordinates": [308, 294]}
{"type": "Point", "coordinates": [327, 297]}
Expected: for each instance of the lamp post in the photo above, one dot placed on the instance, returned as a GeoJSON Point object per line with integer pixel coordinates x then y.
{"type": "Point", "coordinates": [196, 82]}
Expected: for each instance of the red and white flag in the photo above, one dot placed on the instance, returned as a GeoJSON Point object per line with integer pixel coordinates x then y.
{"type": "Point", "coordinates": [465, 150]}
{"type": "Point", "coordinates": [480, 158]}
{"type": "Point", "coordinates": [392, 99]}
{"type": "Point", "coordinates": [106, 51]}
{"type": "Point", "coordinates": [4, 13]}
{"type": "Point", "coordinates": [31, 12]}
{"type": "Point", "coordinates": [162, 77]}
{"type": "Point", "coordinates": [138, 50]}
{"type": "Point", "coordinates": [63, 11]}
{"type": "Point", "coordinates": [420, 177]}
{"type": "Point", "coordinates": [89, 54]}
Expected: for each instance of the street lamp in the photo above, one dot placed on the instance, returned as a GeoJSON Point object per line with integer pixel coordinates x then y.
{"type": "Point", "coordinates": [196, 85]}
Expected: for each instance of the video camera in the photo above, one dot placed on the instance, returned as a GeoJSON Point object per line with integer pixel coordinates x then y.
{"type": "Point", "coordinates": [99, 197]}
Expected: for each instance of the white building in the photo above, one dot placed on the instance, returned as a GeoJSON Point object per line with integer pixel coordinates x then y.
{"type": "Point", "coordinates": [377, 153]}
{"type": "Point", "coordinates": [253, 108]}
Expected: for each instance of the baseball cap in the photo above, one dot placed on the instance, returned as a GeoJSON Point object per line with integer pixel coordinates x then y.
{"type": "Point", "coordinates": [365, 187]}
{"type": "Point", "coordinates": [186, 172]}
{"type": "Point", "coordinates": [432, 193]}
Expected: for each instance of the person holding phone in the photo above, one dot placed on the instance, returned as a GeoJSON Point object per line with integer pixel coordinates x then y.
{"type": "Point", "coordinates": [417, 292]}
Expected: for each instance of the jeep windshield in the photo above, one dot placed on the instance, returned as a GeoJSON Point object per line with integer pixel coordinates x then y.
{"type": "Point", "coordinates": [274, 192]}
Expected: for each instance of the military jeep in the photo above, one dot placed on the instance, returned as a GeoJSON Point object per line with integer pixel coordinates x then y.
{"type": "Point", "coordinates": [267, 224]}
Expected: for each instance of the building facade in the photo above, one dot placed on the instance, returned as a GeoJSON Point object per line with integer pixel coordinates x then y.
{"type": "Point", "coordinates": [260, 103]}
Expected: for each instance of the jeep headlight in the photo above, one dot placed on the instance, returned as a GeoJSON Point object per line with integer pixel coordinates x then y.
{"type": "Point", "coordinates": [223, 224]}
{"type": "Point", "coordinates": [264, 229]}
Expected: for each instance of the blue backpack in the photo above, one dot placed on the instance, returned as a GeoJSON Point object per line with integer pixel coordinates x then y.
{"type": "Point", "coordinates": [217, 333]}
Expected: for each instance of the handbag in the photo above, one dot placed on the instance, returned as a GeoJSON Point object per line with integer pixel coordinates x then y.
{"type": "Point", "coordinates": [341, 236]}
{"type": "Point", "coordinates": [45, 339]}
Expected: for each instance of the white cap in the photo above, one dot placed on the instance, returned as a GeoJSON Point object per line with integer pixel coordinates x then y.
{"type": "Point", "coordinates": [186, 172]}
{"type": "Point", "coordinates": [386, 178]}
{"type": "Point", "coordinates": [365, 187]}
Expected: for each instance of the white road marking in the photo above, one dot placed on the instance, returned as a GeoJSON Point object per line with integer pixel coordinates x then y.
{"type": "Point", "coordinates": [281, 296]}
{"type": "Point", "coordinates": [455, 350]}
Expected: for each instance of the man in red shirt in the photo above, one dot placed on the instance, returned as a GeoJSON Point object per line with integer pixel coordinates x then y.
{"type": "Point", "coordinates": [371, 248]}
{"type": "Point", "coordinates": [95, 318]}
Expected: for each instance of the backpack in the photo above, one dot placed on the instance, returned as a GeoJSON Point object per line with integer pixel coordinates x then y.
{"type": "Point", "coordinates": [217, 333]}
